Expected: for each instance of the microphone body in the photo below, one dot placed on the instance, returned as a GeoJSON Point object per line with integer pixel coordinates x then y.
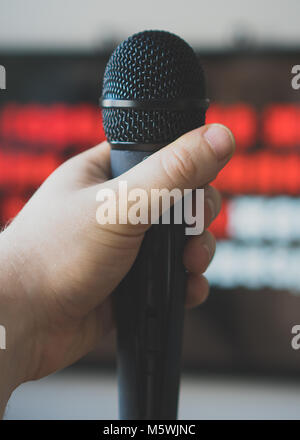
{"type": "Point", "coordinates": [149, 309]}
{"type": "Point", "coordinates": [153, 92]}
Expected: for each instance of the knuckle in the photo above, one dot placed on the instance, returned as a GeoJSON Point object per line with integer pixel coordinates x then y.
{"type": "Point", "coordinates": [180, 166]}
{"type": "Point", "coordinates": [211, 241]}
{"type": "Point", "coordinates": [214, 195]}
{"type": "Point", "coordinates": [209, 237]}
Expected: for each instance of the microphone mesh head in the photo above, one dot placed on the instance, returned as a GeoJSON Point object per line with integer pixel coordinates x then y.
{"type": "Point", "coordinates": [152, 65]}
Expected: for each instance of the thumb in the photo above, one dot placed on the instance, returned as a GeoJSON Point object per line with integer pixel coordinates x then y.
{"type": "Point", "coordinates": [190, 162]}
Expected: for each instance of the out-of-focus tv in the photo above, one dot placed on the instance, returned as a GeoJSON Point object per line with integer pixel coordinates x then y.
{"type": "Point", "coordinates": [49, 112]}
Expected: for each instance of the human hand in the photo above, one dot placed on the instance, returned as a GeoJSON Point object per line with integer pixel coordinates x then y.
{"type": "Point", "coordinates": [58, 265]}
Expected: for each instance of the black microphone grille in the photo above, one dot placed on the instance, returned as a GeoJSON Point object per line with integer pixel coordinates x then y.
{"type": "Point", "coordinates": [152, 67]}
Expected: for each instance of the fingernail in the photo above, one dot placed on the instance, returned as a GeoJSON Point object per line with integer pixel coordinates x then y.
{"type": "Point", "coordinates": [220, 140]}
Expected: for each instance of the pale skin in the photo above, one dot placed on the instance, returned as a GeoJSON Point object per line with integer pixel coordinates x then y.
{"type": "Point", "coordinates": [58, 266]}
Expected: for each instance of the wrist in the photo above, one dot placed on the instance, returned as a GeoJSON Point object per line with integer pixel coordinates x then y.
{"type": "Point", "coordinates": [15, 347]}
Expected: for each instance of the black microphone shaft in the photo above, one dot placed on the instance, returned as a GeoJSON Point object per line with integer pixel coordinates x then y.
{"type": "Point", "coordinates": [149, 307]}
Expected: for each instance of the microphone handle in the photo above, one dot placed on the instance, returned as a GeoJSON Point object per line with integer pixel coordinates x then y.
{"type": "Point", "coordinates": [149, 310]}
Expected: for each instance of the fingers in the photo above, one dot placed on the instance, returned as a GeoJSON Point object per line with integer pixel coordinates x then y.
{"type": "Point", "coordinates": [90, 167]}
{"type": "Point", "coordinates": [197, 290]}
{"type": "Point", "coordinates": [198, 253]}
{"type": "Point", "coordinates": [212, 204]}
{"type": "Point", "coordinates": [98, 158]}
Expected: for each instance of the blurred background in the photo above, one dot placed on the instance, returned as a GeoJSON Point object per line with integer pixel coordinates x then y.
{"type": "Point", "coordinates": [238, 361]}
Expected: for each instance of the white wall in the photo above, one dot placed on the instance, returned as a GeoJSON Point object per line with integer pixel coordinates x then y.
{"type": "Point", "coordinates": [88, 23]}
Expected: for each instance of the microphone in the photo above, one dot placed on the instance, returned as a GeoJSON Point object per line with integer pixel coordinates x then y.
{"type": "Point", "coordinates": [153, 92]}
